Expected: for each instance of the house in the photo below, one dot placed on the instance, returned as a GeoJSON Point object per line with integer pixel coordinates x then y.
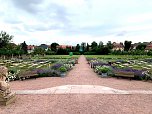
{"type": "Point", "coordinates": [148, 47]}
{"type": "Point", "coordinates": [30, 48]}
{"type": "Point", "coordinates": [44, 46]}
{"type": "Point", "coordinates": [134, 46]}
{"type": "Point", "coordinates": [64, 47]}
{"type": "Point", "coordinates": [118, 46]}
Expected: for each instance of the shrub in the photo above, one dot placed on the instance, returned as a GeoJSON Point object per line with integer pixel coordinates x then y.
{"type": "Point", "coordinates": [68, 66]}
{"type": "Point", "coordinates": [76, 53]}
{"type": "Point", "coordinates": [89, 53]}
{"type": "Point", "coordinates": [102, 69]}
{"type": "Point", "coordinates": [62, 69]}
{"type": "Point", "coordinates": [56, 66]}
{"type": "Point", "coordinates": [48, 72]}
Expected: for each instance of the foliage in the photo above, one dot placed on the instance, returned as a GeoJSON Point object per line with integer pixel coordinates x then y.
{"type": "Point", "coordinates": [127, 45]}
{"type": "Point", "coordinates": [76, 53]}
{"type": "Point", "coordinates": [62, 69]}
{"type": "Point", "coordinates": [109, 45]}
{"type": "Point", "coordinates": [5, 39]}
{"type": "Point", "coordinates": [141, 46]}
{"type": "Point", "coordinates": [54, 46]}
{"type": "Point", "coordinates": [61, 51]}
{"type": "Point", "coordinates": [89, 53]}
{"type": "Point", "coordinates": [50, 52]}
{"type": "Point", "coordinates": [77, 48]}
{"type": "Point", "coordinates": [102, 69]}
{"type": "Point", "coordinates": [56, 66]}
{"type": "Point", "coordinates": [24, 47]}
{"type": "Point", "coordinates": [48, 72]}
{"type": "Point", "coordinates": [39, 51]}
{"type": "Point", "coordinates": [94, 45]}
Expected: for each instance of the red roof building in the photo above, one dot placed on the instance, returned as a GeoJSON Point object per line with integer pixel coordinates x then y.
{"type": "Point", "coordinates": [118, 46]}
{"type": "Point", "coordinates": [30, 48]}
{"type": "Point", "coordinates": [148, 47]}
{"type": "Point", "coordinates": [64, 46]}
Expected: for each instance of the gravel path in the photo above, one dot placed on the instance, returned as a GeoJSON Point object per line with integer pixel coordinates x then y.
{"type": "Point", "coordinates": [77, 103]}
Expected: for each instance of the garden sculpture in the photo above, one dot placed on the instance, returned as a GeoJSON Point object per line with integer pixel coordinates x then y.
{"type": "Point", "coordinates": [6, 96]}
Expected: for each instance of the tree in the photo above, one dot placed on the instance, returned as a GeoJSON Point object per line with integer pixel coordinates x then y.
{"type": "Point", "coordinates": [105, 50]}
{"type": "Point", "coordinates": [101, 44]}
{"type": "Point", "coordinates": [49, 52]}
{"type": "Point", "coordinates": [127, 45]}
{"type": "Point", "coordinates": [109, 45]}
{"type": "Point", "coordinates": [94, 45]}
{"type": "Point", "coordinates": [4, 39]}
{"type": "Point", "coordinates": [87, 49]}
{"type": "Point", "coordinates": [54, 46]}
{"type": "Point", "coordinates": [24, 47]}
{"type": "Point", "coordinates": [77, 47]}
{"type": "Point", "coordinates": [61, 51]}
{"type": "Point", "coordinates": [141, 46]}
{"type": "Point", "coordinates": [83, 45]}
{"type": "Point", "coordinates": [39, 50]}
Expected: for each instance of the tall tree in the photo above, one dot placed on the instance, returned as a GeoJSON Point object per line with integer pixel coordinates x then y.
{"type": "Point", "coordinates": [4, 39]}
{"type": "Point", "coordinates": [24, 47]}
{"type": "Point", "coordinates": [83, 45]}
{"type": "Point", "coordinates": [94, 46]}
{"type": "Point", "coordinates": [127, 45]}
{"type": "Point", "coordinates": [87, 49]}
{"type": "Point", "coordinates": [77, 47]}
{"type": "Point", "coordinates": [109, 45]}
{"type": "Point", "coordinates": [54, 46]}
{"type": "Point", "coordinates": [101, 44]}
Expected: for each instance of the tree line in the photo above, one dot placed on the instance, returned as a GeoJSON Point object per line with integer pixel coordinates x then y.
{"type": "Point", "coordinates": [8, 48]}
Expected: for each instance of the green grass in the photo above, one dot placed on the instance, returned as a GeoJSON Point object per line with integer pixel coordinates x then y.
{"type": "Point", "coordinates": [118, 56]}
{"type": "Point", "coordinates": [55, 57]}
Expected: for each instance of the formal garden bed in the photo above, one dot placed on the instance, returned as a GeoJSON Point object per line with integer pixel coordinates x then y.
{"type": "Point", "coordinates": [140, 69]}
{"type": "Point", "coordinates": [20, 69]}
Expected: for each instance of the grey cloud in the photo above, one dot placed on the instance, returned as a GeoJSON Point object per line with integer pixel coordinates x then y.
{"type": "Point", "coordinates": [122, 33]}
{"type": "Point", "coordinates": [27, 5]}
{"type": "Point", "coordinates": [52, 18]}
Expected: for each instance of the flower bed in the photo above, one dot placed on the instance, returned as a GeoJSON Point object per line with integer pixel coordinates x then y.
{"type": "Point", "coordinates": [139, 70]}
{"type": "Point", "coordinates": [43, 67]}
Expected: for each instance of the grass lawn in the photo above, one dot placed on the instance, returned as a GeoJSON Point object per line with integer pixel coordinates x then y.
{"type": "Point", "coordinates": [55, 57]}
{"type": "Point", "coordinates": [119, 56]}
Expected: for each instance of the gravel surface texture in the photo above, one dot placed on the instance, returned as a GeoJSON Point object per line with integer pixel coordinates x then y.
{"type": "Point", "coordinates": [80, 104]}
{"type": "Point", "coordinates": [82, 74]}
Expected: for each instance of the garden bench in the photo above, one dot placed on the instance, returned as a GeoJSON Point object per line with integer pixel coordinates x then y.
{"type": "Point", "coordinates": [27, 74]}
{"type": "Point", "coordinates": [124, 74]}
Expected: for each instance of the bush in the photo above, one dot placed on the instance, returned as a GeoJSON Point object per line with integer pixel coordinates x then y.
{"type": "Point", "coordinates": [89, 53]}
{"type": "Point", "coordinates": [56, 66]}
{"type": "Point", "coordinates": [76, 53]}
{"type": "Point", "coordinates": [102, 69]}
{"type": "Point", "coordinates": [48, 72]}
{"type": "Point", "coordinates": [62, 69]}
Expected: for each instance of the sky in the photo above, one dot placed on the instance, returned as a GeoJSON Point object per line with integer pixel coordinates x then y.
{"type": "Point", "coordinates": [74, 21]}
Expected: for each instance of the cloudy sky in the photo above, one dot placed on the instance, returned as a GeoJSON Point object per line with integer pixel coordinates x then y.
{"type": "Point", "coordinates": [76, 21]}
